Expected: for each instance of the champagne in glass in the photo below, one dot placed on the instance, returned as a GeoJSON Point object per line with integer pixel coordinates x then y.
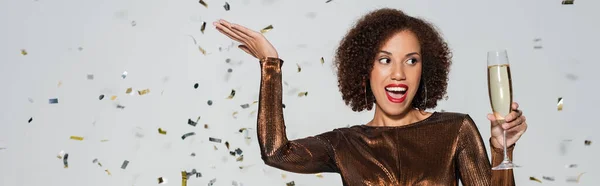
{"type": "Point", "coordinates": [500, 92]}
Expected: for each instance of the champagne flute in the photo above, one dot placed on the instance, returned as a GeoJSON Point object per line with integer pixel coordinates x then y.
{"type": "Point", "coordinates": [500, 92]}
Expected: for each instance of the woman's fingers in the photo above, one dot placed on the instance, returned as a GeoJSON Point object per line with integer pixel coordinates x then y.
{"type": "Point", "coordinates": [227, 31]}
{"type": "Point", "coordinates": [247, 50]}
{"type": "Point", "coordinates": [516, 122]}
{"type": "Point", "coordinates": [243, 34]}
{"type": "Point", "coordinates": [249, 32]}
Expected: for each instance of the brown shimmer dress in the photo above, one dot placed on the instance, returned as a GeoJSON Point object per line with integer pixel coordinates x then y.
{"type": "Point", "coordinates": [440, 150]}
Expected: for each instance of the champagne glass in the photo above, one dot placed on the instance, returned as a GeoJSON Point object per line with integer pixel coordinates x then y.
{"type": "Point", "coordinates": [500, 92]}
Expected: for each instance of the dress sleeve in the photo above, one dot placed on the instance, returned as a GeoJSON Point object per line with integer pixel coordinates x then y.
{"type": "Point", "coordinates": [308, 155]}
{"type": "Point", "coordinates": [473, 163]}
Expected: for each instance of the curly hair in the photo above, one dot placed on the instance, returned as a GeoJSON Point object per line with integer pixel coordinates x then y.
{"type": "Point", "coordinates": [358, 49]}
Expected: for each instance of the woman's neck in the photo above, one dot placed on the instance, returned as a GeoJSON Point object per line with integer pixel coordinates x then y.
{"type": "Point", "coordinates": [382, 119]}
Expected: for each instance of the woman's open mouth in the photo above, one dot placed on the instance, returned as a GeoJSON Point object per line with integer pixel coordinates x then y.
{"type": "Point", "coordinates": [396, 93]}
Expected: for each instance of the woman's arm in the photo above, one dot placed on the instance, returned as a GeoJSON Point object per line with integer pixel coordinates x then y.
{"type": "Point", "coordinates": [473, 163]}
{"type": "Point", "coordinates": [308, 155]}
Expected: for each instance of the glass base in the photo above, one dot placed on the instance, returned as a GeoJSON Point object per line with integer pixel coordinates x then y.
{"type": "Point", "coordinates": [505, 165]}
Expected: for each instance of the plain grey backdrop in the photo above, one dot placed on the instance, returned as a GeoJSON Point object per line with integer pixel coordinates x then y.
{"type": "Point", "coordinates": [151, 40]}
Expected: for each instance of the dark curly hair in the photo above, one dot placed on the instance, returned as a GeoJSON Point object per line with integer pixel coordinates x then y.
{"type": "Point", "coordinates": [358, 49]}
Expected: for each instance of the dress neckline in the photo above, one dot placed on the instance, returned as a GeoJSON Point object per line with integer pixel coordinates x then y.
{"type": "Point", "coordinates": [402, 126]}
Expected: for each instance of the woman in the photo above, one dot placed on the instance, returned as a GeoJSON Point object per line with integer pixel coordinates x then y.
{"type": "Point", "coordinates": [400, 64]}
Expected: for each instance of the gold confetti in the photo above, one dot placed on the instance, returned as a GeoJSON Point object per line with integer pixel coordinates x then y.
{"type": "Point", "coordinates": [206, 126]}
{"type": "Point", "coordinates": [234, 115]}
{"type": "Point", "coordinates": [107, 172]}
{"type": "Point", "coordinates": [129, 90]}
{"type": "Point", "coordinates": [254, 102]}
{"type": "Point", "coordinates": [59, 83]}
{"type": "Point", "coordinates": [215, 147]}
{"type": "Point", "coordinates": [241, 158]}
{"type": "Point", "coordinates": [576, 180]}
{"type": "Point", "coordinates": [535, 179]}
{"type": "Point", "coordinates": [162, 180]}
{"type": "Point", "coordinates": [283, 176]}
{"type": "Point", "coordinates": [299, 69]}
{"type": "Point", "coordinates": [203, 3]}
{"type": "Point", "coordinates": [78, 138]}
{"type": "Point", "coordinates": [183, 178]}
{"type": "Point", "coordinates": [104, 140]}
{"type": "Point", "coordinates": [24, 52]}
{"type": "Point", "coordinates": [203, 27]}
{"type": "Point", "coordinates": [322, 61]}
{"type": "Point", "coordinates": [319, 175]}
{"type": "Point", "coordinates": [227, 144]}
{"type": "Point", "coordinates": [587, 142]}
{"type": "Point", "coordinates": [202, 50]}
{"type": "Point", "coordinates": [290, 183]}
{"type": "Point", "coordinates": [559, 105]}
{"type": "Point", "coordinates": [231, 95]}
{"type": "Point", "coordinates": [266, 29]}
{"type": "Point", "coordinates": [142, 92]}
{"type": "Point", "coordinates": [302, 94]}
{"type": "Point", "coordinates": [161, 131]}
{"type": "Point", "coordinates": [567, 2]}
{"type": "Point", "coordinates": [113, 98]}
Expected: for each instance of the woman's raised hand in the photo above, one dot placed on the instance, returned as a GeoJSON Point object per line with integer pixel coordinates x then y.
{"type": "Point", "coordinates": [252, 42]}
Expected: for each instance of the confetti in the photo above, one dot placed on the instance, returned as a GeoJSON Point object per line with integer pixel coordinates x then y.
{"type": "Point", "coordinates": [59, 84]}
{"type": "Point", "coordinates": [30, 100]}
{"type": "Point", "coordinates": [101, 97]}
{"type": "Point", "coordinates": [104, 140]}
{"type": "Point", "coordinates": [203, 3]}
{"type": "Point", "coordinates": [133, 23]}
{"type": "Point", "coordinates": [124, 165]}
{"type": "Point", "coordinates": [96, 161]}
{"type": "Point", "coordinates": [80, 48]}
{"type": "Point", "coordinates": [245, 106]}
{"type": "Point", "coordinates": [302, 94]}
{"type": "Point", "coordinates": [231, 95]}
{"type": "Point", "coordinates": [202, 50]}
{"type": "Point", "coordinates": [162, 180]}
{"type": "Point", "coordinates": [107, 172]}
{"type": "Point", "coordinates": [322, 61]}
{"type": "Point", "coordinates": [124, 75]}
{"type": "Point", "coordinates": [203, 27]}
{"type": "Point", "coordinates": [113, 98]}
{"type": "Point", "coordinates": [161, 131]}
{"type": "Point", "coordinates": [216, 140]}
{"type": "Point", "coordinates": [226, 6]}
{"type": "Point", "coordinates": [209, 102]}
{"type": "Point", "coordinates": [283, 105]}
{"type": "Point", "coordinates": [227, 144]}
{"type": "Point", "coordinates": [188, 135]}
{"type": "Point", "coordinates": [241, 158]}
{"type": "Point", "coordinates": [61, 154]}
{"type": "Point", "coordinates": [212, 182]}
{"type": "Point", "coordinates": [548, 178]}
{"type": "Point", "coordinates": [537, 43]}
{"type": "Point", "coordinates": [193, 154]}
{"type": "Point", "coordinates": [238, 151]}
{"type": "Point", "coordinates": [53, 100]}
{"type": "Point", "coordinates": [328, 1]}
{"type": "Point", "coordinates": [567, 2]}
{"type": "Point", "coordinates": [215, 147]}
{"type": "Point", "coordinates": [266, 29]}
{"type": "Point", "coordinates": [299, 69]}
{"type": "Point", "coordinates": [535, 179]}
{"type": "Point", "coordinates": [234, 115]}
{"type": "Point", "coordinates": [30, 120]}
{"type": "Point", "coordinates": [206, 126]}
{"type": "Point", "coordinates": [572, 77]}
{"type": "Point", "coordinates": [283, 176]}
{"type": "Point", "coordinates": [571, 166]}
{"type": "Point", "coordinates": [227, 60]}
{"type": "Point", "coordinates": [129, 90]}
{"type": "Point", "coordinates": [229, 70]}
{"type": "Point", "coordinates": [290, 183]}
{"type": "Point", "coordinates": [319, 175]}
{"type": "Point", "coordinates": [184, 177]}
{"type": "Point", "coordinates": [196, 86]}
{"type": "Point", "coordinates": [559, 105]}
{"type": "Point", "coordinates": [575, 179]}
{"type": "Point", "coordinates": [192, 123]}
{"type": "Point", "coordinates": [120, 106]}
{"type": "Point", "coordinates": [24, 52]}
{"type": "Point", "coordinates": [587, 142]}
{"type": "Point", "coordinates": [142, 92]}
{"type": "Point", "coordinates": [78, 138]}
{"type": "Point", "coordinates": [65, 160]}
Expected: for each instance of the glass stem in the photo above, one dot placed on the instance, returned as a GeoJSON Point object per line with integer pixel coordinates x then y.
{"type": "Point", "coordinates": [506, 159]}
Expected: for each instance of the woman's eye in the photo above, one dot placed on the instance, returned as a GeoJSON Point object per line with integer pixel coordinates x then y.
{"type": "Point", "coordinates": [411, 61]}
{"type": "Point", "coordinates": [385, 60]}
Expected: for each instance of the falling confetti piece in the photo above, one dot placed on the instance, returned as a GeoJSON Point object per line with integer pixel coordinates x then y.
{"type": "Point", "coordinates": [548, 178]}
{"type": "Point", "coordinates": [188, 135]}
{"type": "Point", "coordinates": [559, 105]}
{"type": "Point", "coordinates": [241, 158]}
{"type": "Point", "coordinates": [283, 105]}
{"type": "Point", "coordinates": [24, 52]}
{"type": "Point", "coordinates": [113, 98]}
{"type": "Point", "coordinates": [120, 106]}
{"type": "Point", "coordinates": [78, 138]}
{"type": "Point", "coordinates": [142, 92]}
{"type": "Point", "coordinates": [124, 75]}
{"type": "Point", "coordinates": [80, 48]}
{"type": "Point", "coordinates": [53, 100]}
{"type": "Point", "coordinates": [245, 106]}
{"type": "Point", "coordinates": [266, 29]}
{"type": "Point", "coordinates": [215, 147]}
{"type": "Point", "coordinates": [212, 182]}
{"type": "Point", "coordinates": [283, 176]}
{"type": "Point", "coordinates": [129, 90]}
{"type": "Point", "coordinates": [535, 179]}
{"type": "Point", "coordinates": [537, 43]}
{"type": "Point", "coordinates": [572, 166]}
{"type": "Point", "coordinates": [587, 142]}
{"type": "Point", "coordinates": [209, 102]}
{"type": "Point", "coordinates": [231, 95]}
{"type": "Point", "coordinates": [216, 140]}
{"type": "Point", "coordinates": [203, 3]}
{"type": "Point", "coordinates": [238, 151]}
{"type": "Point", "coordinates": [162, 180]}
{"type": "Point", "coordinates": [184, 178]}
{"type": "Point", "coordinates": [104, 140]}
{"type": "Point", "coordinates": [302, 94]}
{"type": "Point", "coordinates": [202, 50]}
{"type": "Point", "coordinates": [30, 120]}
{"type": "Point", "coordinates": [227, 144]}
{"type": "Point", "coordinates": [107, 172]}
{"type": "Point", "coordinates": [59, 84]}
{"type": "Point", "coordinates": [229, 70]}
{"type": "Point", "coordinates": [30, 100]}
{"type": "Point", "coordinates": [124, 165]}
{"type": "Point", "coordinates": [133, 23]}
{"type": "Point", "coordinates": [203, 27]}
{"type": "Point", "coordinates": [290, 183]}
{"type": "Point", "coordinates": [234, 115]}
{"type": "Point", "coordinates": [161, 131]}
{"type": "Point", "coordinates": [299, 69]}
{"type": "Point", "coordinates": [227, 60]}
{"type": "Point", "coordinates": [567, 2]}
{"type": "Point", "coordinates": [226, 6]}
{"type": "Point", "coordinates": [572, 77]}
{"type": "Point", "coordinates": [322, 61]}
{"type": "Point", "coordinates": [196, 86]}
{"type": "Point", "coordinates": [328, 1]}
{"type": "Point", "coordinates": [65, 160]}
{"type": "Point", "coordinates": [192, 123]}
{"type": "Point", "coordinates": [575, 179]}
{"type": "Point", "coordinates": [205, 126]}
{"type": "Point", "coordinates": [61, 154]}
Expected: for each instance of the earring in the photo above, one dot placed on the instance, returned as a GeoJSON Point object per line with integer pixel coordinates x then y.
{"type": "Point", "coordinates": [365, 92]}
{"type": "Point", "coordinates": [425, 101]}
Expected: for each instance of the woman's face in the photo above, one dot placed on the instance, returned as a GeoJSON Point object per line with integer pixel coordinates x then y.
{"type": "Point", "coordinates": [396, 73]}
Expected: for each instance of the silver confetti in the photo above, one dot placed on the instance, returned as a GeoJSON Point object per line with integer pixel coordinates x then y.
{"type": "Point", "coordinates": [90, 76]}
{"type": "Point", "coordinates": [226, 6]}
{"type": "Point", "coordinates": [216, 140]}
{"type": "Point", "coordinates": [548, 178]}
{"type": "Point", "coordinates": [188, 135]}
{"type": "Point", "coordinates": [124, 165]}
{"type": "Point", "coordinates": [212, 182]}
{"type": "Point", "coordinates": [124, 75]}
{"type": "Point", "coordinates": [53, 100]}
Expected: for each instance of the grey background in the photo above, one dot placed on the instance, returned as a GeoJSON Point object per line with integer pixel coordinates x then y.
{"type": "Point", "coordinates": [158, 54]}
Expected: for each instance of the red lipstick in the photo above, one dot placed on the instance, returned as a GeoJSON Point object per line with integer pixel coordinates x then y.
{"type": "Point", "coordinates": [396, 93]}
